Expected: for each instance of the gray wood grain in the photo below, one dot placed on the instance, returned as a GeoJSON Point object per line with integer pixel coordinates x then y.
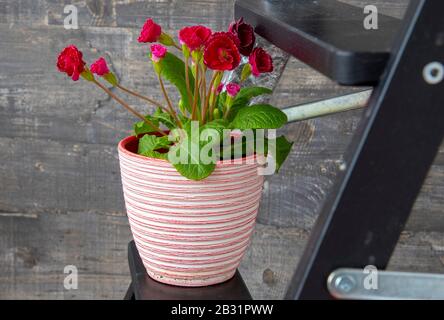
{"type": "Point", "coordinates": [60, 192]}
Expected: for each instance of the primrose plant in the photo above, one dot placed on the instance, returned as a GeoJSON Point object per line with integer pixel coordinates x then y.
{"type": "Point", "coordinates": [212, 120]}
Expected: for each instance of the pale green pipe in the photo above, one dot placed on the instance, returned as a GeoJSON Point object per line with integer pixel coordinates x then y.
{"type": "Point", "coordinates": [328, 106]}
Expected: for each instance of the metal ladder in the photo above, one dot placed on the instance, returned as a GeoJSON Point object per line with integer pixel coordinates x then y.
{"type": "Point", "coordinates": [392, 150]}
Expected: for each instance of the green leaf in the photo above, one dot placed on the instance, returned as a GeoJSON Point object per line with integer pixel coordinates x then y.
{"type": "Point", "coordinates": [148, 145]}
{"type": "Point", "coordinates": [251, 92]}
{"type": "Point", "coordinates": [243, 98]}
{"type": "Point", "coordinates": [186, 156]}
{"type": "Point", "coordinates": [190, 165]}
{"type": "Point", "coordinates": [156, 155]}
{"type": "Point", "coordinates": [279, 154]}
{"type": "Point", "coordinates": [283, 148]}
{"type": "Point", "coordinates": [173, 69]}
{"type": "Point", "coordinates": [237, 105]}
{"type": "Point", "coordinates": [259, 116]}
{"type": "Point", "coordinates": [195, 172]}
{"type": "Point", "coordinates": [142, 127]}
{"type": "Point", "coordinates": [219, 125]}
{"type": "Point", "coordinates": [165, 118]}
{"type": "Point", "coordinates": [220, 103]}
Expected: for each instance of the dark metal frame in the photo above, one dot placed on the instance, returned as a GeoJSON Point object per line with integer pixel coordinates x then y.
{"type": "Point", "coordinates": [396, 143]}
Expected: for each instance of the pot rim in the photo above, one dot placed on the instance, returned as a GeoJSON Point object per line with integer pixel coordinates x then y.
{"type": "Point", "coordinates": [124, 142]}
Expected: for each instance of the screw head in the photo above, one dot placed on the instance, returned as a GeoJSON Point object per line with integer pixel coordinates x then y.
{"type": "Point", "coordinates": [345, 284]}
{"type": "Point", "coordinates": [433, 73]}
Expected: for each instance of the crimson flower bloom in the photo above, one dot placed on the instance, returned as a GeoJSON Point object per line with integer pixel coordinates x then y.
{"type": "Point", "coordinates": [194, 37]}
{"type": "Point", "coordinates": [232, 89]}
{"type": "Point", "coordinates": [150, 32]}
{"type": "Point", "coordinates": [221, 52]}
{"type": "Point", "coordinates": [158, 52]}
{"type": "Point", "coordinates": [70, 61]}
{"type": "Point", "coordinates": [220, 87]}
{"type": "Point", "coordinates": [260, 61]}
{"type": "Point", "coordinates": [99, 67]}
{"type": "Point", "coordinates": [245, 33]}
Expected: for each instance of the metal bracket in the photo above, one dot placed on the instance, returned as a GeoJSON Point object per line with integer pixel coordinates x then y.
{"type": "Point", "coordinates": [371, 284]}
{"type": "Point", "coordinates": [326, 107]}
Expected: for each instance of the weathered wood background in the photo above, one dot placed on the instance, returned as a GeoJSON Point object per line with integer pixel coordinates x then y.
{"type": "Point", "coordinates": [60, 195]}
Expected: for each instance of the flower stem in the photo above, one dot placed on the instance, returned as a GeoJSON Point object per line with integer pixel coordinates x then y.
{"type": "Point", "coordinates": [187, 80]}
{"type": "Point", "coordinates": [138, 95]}
{"type": "Point", "coordinates": [204, 83]}
{"type": "Point", "coordinates": [196, 93]}
{"type": "Point", "coordinates": [170, 106]}
{"type": "Point", "coordinates": [127, 107]}
{"type": "Point", "coordinates": [213, 94]}
{"type": "Point", "coordinates": [207, 97]}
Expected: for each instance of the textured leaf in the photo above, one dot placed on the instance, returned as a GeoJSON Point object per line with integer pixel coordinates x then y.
{"type": "Point", "coordinates": [173, 69]}
{"type": "Point", "coordinates": [244, 97]}
{"type": "Point", "coordinates": [259, 116]}
{"type": "Point", "coordinates": [142, 127]}
{"type": "Point", "coordinates": [186, 155]}
{"type": "Point", "coordinates": [221, 98]}
{"type": "Point", "coordinates": [192, 168]}
{"type": "Point", "coordinates": [219, 125]}
{"type": "Point", "coordinates": [164, 118]}
{"type": "Point", "coordinates": [283, 148]}
{"type": "Point", "coordinates": [251, 92]}
{"type": "Point", "coordinates": [148, 145]}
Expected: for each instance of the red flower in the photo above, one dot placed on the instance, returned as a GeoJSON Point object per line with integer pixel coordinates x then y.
{"type": "Point", "coordinates": [245, 33]}
{"type": "Point", "coordinates": [158, 52]}
{"type": "Point", "coordinates": [232, 89]}
{"type": "Point", "coordinates": [150, 32]}
{"type": "Point", "coordinates": [99, 67]}
{"type": "Point", "coordinates": [194, 37]}
{"type": "Point", "coordinates": [260, 62]}
{"type": "Point", "coordinates": [221, 52]}
{"type": "Point", "coordinates": [70, 61]}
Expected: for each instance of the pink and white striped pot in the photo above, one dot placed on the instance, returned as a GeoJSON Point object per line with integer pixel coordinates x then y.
{"type": "Point", "coordinates": [189, 233]}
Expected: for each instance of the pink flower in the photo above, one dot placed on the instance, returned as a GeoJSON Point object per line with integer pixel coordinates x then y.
{"type": "Point", "coordinates": [194, 37]}
{"type": "Point", "coordinates": [70, 61]}
{"type": "Point", "coordinates": [158, 52]}
{"type": "Point", "coordinates": [233, 89]}
{"type": "Point", "coordinates": [99, 67]}
{"type": "Point", "coordinates": [220, 88]}
{"type": "Point", "coordinates": [260, 61]}
{"type": "Point", "coordinates": [150, 32]}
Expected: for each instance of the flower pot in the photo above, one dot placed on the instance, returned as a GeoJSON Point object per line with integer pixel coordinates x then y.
{"type": "Point", "coordinates": [189, 233]}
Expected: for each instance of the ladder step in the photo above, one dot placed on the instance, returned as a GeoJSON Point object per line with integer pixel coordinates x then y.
{"type": "Point", "coordinates": [145, 288]}
{"type": "Point", "coordinates": [327, 35]}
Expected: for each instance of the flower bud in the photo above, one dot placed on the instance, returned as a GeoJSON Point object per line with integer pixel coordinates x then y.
{"type": "Point", "coordinates": [166, 39]}
{"type": "Point", "coordinates": [216, 114]}
{"type": "Point", "coordinates": [158, 52]}
{"type": "Point", "coordinates": [232, 89]}
{"type": "Point", "coordinates": [246, 72]}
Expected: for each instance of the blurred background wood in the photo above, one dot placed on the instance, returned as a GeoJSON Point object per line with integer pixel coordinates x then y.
{"type": "Point", "coordinates": [60, 195]}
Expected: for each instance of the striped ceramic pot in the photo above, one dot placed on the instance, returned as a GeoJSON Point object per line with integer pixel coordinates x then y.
{"type": "Point", "coordinates": [189, 233]}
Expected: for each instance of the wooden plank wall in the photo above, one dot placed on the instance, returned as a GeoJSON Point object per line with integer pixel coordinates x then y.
{"type": "Point", "coordinates": [60, 195]}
